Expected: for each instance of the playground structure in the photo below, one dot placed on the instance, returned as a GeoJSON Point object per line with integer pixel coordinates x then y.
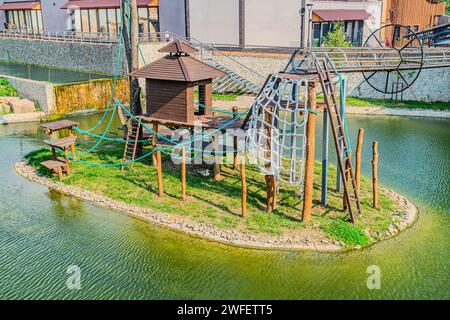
{"type": "Point", "coordinates": [279, 126]}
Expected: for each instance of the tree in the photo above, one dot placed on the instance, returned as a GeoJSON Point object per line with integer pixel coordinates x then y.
{"type": "Point", "coordinates": [336, 37]}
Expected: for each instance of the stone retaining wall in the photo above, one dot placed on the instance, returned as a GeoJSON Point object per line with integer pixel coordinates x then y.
{"type": "Point", "coordinates": [76, 56]}
{"type": "Point", "coordinates": [431, 85]}
{"type": "Point", "coordinates": [68, 98]}
{"type": "Point", "coordinates": [37, 91]}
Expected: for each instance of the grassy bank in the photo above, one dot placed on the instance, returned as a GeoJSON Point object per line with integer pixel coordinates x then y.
{"type": "Point", "coordinates": [6, 90]}
{"type": "Point", "coordinates": [357, 102]}
{"type": "Point", "coordinates": [219, 202]}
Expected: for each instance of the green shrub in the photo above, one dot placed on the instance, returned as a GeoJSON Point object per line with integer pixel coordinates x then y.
{"type": "Point", "coordinates": [6, 90]}
{"type": "Point", "coordinates": [346, 232]}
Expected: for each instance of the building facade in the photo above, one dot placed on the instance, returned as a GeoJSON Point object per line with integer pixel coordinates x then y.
{"type": "Point", "coordinates": [90, 15]}
{"type": "Point", "coordinates": [414, 14]}
{"type": "Point", "coordinates": [287, 23]}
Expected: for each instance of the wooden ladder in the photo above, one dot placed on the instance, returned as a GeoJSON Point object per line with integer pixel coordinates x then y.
{"type": "Point", "coordinates": [132, 141]}
{"type": "Point", "coordinates": [351, 195]}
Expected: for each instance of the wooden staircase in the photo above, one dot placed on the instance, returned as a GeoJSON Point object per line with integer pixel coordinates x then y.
{"type": "Point", "coordinates": [351, 195]}
{"type": "Point", "coordinates": [132, 140]}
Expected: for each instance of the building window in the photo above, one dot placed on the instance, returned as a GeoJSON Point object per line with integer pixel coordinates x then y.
{"type": "Point", "coordinates": [353, 29]}
{"type": "Point", "coordinates": [108, 20]}
{"type": "Point", "coordinates": [102, 21]}
{"type": "Point", "coordinates": [24, 19]}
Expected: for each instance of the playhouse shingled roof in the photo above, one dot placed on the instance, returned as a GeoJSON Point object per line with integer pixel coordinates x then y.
{"type": "Point", "coordinates": [178, 46]}
{"type": "Point", "coordinates": [177, 66]}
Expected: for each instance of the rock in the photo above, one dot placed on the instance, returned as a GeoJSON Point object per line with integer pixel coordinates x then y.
{"type": "Point", "coordinates": [8, 99]}
{"type": "Point", "coordinates": [22, 106]}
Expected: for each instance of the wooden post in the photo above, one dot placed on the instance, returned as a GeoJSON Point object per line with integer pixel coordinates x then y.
{"type": "Point", "coordinates": [123, 122]}
{"type": "Point", "coordinates": [159, 172]}
{"type": "Point", "coordinates": [325, 140]}
{"type": "Point", "coordinates": [54, 156]}
{"type": "Point", "coordinates": [183, 173]}
{"type": "Point", "coordinates": [244, 188]}
{"type": "Point", "coordinates": [59, 172]}
{"type": "Point", "coordinates": [134, 35]}
{"type": "Point", "coordinates": [310, 144]}
{"type": "Point", "coordinates": [347, 178]}
{"type": "Point", "coordinates": [270, 179]}
{"type": "Point", "coordinates": [155, 141]}
{"type": "Point", "coordinates": [216, 157]}
{"type": "Point", "coordinates": [359, 146]}
{"type": "Point", "coordinates": [72, 146]}
{"type": "Point", "coordinates": [66, 158]}
{"type": "Point", "coordinates": [235, 142]}
{"type": "Point", "coordinates": [375, 174]}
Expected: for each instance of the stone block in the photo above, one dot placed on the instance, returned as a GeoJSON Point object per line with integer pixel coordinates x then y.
{"type": "Point", "coordinates": [22, 106]}
{"type": "Point", "coordinates": [8, 99]}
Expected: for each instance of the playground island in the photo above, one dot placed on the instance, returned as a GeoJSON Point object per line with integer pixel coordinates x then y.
{"type": "Point", "coordinates": [267, 195]}
{"type": "Point", "coordinates": [212, 209]}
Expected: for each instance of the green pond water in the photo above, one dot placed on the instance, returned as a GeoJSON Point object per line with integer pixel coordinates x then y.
{"type": "Point", "coordinates": [41, 73]}
{"type": "Point", "coordinates": [42, 233]}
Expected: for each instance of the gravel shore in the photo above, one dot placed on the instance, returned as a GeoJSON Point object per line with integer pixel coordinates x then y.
{"type": "Point", "coordinates": [310, 241]}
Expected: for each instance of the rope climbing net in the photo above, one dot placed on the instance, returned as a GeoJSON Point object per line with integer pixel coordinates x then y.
{"type": "Point", "coordinates": [276, 138]}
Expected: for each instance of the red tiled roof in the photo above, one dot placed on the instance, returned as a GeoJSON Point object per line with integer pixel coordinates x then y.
{"type": "Point", "coordinates": [95, 4]}
{"type": "Point", "coordinates": [178, 46]}
{"type": "Point", "coordinates": [341, 14]}
{"type": "Point", "coordinates": [29, 5]}
{"type": "Point", "coordinates": [177, 68]}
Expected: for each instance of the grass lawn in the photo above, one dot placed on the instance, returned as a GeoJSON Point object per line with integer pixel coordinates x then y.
{"type": "Point", "coordinates": [357, 102]}
{"type": "Point", "coordinates": [219, 202]}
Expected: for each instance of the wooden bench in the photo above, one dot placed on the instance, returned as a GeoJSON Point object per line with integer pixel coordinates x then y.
{"type": "Point", "coordinates": [57, 166]}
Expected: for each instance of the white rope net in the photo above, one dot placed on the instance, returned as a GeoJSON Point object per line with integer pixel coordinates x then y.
{"type": "Point", "coordinates": [276, 138]}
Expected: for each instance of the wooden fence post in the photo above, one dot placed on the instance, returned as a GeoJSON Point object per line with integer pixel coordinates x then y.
{"type": "Point", "coordinates": [183, 174]}
{"type": "Point", "coordinates": [358, 158]}
{"type": "Point", "coordinates": [216, 144]}
{"type": "Point", "coordinates": [375, 174]}
{"type": "Point", "coordinates": [235, 142]}
{"type": "Point", "coordinates": [244, 188]}
{"type": "Point", "coordinates": [159, 172]}
{"type": "Point", "coordinates": [309, 166]}
{"type": "Point", "coordinates": [155, 141]}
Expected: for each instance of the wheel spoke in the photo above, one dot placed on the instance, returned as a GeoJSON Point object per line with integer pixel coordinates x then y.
{"type": "Point", "coordinates": [373, 73]}
{"type": "Point", "coordinates": [387, 82]}
{"type": "Point", "coordinates": [404, 80]}
{"type": "Point", "coordinates": [407, 44]}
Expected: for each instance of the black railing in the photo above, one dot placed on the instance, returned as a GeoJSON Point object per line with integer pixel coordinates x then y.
{"type": "Point", "coordinates": [436, 36]}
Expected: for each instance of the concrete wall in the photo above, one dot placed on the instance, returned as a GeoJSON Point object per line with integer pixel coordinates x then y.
{"type": "Point", "coordinates": [2, 17]}
{"type": "Point", "coordinates": [76, 56]}
{"type": "Point", "coordinates": [37, 91]}
{"type": "Point", "coordinates": [172, 16]}
{"type": "Point", "coordinates": [272, 23]}
{"type": "Point", "coordinates": [54, 18]}
{"type": "Point", "coordinates": [431, 85]}
{"type": "Point", "coordinates": [214, 21]}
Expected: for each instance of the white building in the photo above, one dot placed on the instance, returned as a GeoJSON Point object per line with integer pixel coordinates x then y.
{"type": "Point", "coordinates": [282, 23]}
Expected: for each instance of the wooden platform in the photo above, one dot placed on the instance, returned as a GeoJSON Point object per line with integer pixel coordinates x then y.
{"type": "Point", "coordinates": [54, 164]}
{"type": "Point", "coordinates": [62, 143]}
{"type": "Point", "coordinates": [59, 125]}
{"type": "Point", "coordinates": [205, 123]}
